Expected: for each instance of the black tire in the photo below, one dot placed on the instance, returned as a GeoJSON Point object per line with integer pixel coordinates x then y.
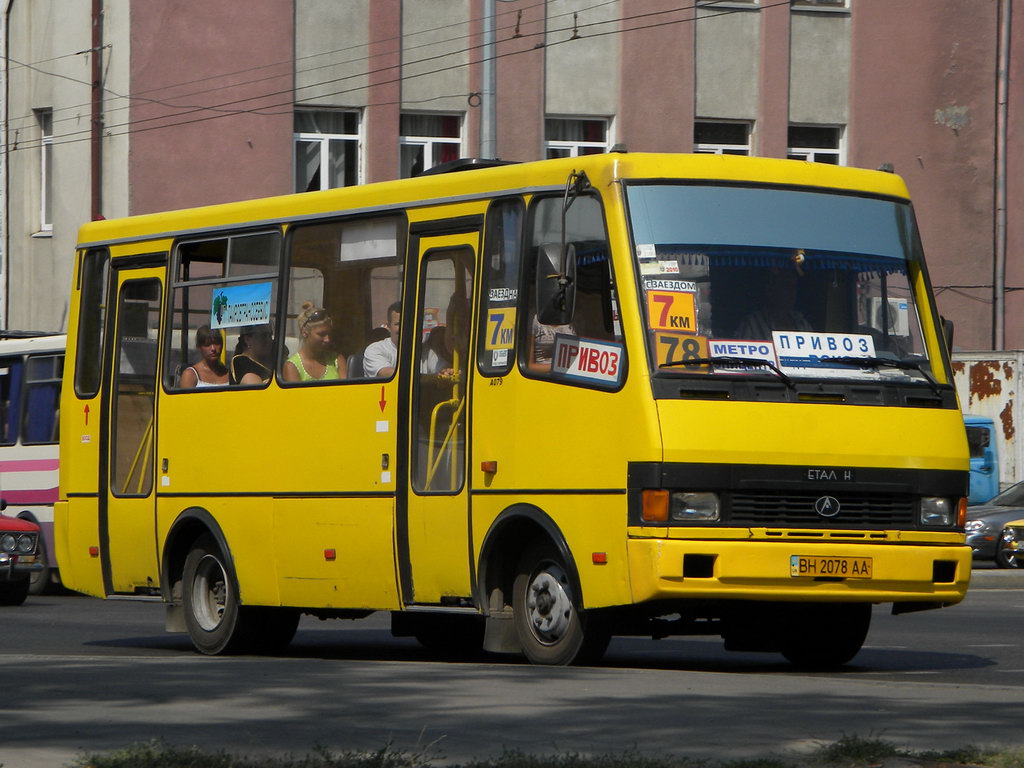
{"type": "Point", "coordinates": [216, 621]}
{"type": "Point", "coordinates": [549, 626]}
{"type": "Point", "coordinates": [13, 592]}
{"type": "Point", "coordinates": [1006, 557]}
{"type": "Point", "coordinates": [823, 636]}
{"type": "Point", "coordinates": [40, 582]}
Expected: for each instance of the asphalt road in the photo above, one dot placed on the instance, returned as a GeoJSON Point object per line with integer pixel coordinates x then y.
{"type": "Point", "coordinates": [86, 675]}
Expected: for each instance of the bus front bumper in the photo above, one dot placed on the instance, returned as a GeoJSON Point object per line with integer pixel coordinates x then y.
{"type": "Point", "coordinates": [798, 570]}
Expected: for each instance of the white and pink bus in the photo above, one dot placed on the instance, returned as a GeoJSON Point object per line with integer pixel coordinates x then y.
{"type": "Point", "coordinates": [31, 366]}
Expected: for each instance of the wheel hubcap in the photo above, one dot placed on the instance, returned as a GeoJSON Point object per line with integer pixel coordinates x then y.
{"type": "Point", "coordinates": [1011, 549]}
{"type": "Point", "coordinates": [209, 593]}
{"type": "Point", "coordinates": [549, 604]}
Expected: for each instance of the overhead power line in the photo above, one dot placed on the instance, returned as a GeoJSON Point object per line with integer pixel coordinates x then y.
{"type": "Point", "coordinates": [29, 118]}
{"type": "Point", "coordinates": [222, 111]}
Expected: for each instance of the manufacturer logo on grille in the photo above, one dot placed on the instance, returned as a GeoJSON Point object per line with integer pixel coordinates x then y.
{"type": "Point", "coordinates": [827, 506]}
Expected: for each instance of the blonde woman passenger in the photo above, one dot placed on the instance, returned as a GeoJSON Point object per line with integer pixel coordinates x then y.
{"type": "Point", "coordinates": [316, 359]}
{"type": "Point", "coordinates": [209, 370]}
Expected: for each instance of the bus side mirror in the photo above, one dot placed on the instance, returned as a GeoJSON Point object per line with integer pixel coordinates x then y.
{"type": "Point", "coordinates": [947, 332]}
{"type": "Point", "coordinates": [556, 284]}
{"type": "Point", "coordinates": [3, 504]}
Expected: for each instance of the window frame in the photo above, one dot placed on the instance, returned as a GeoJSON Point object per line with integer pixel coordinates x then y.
{"type": "Point", "coordinates": [90, 339]}
{"type": "Point", "coordinates": [526, 310]}
{"type": "Point", "coordinates": [175, 283]}
{"type": "Point", "coordinates": [430, 142]}
{"type": "Point", "coordinates": [811, 154]}
{"type": "Point", "coordinates": [29, 383]}
{"type": "Point", "coordinates": [116, 394]}
{"type": "Point", "coordinates": [436, 255]}
{"type": "Point", "coordinates": [14, 363]}
{"type": "Point", "coordinates": [574, 146]}
{"type": "Point", "coordinates": [44, 119]}
{"type": "Point", "coordinates": [722, 148]}
{"type": "Point", "coordinates": [821, 6]}
{"type": "Point", "coordinates": [401, 218]}
{"type": "Point", "coordinates": [324, 140]}
{"type": "Point", "coordinates": [485, 287]}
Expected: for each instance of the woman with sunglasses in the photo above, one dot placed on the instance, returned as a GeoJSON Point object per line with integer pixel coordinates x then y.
{"type": "Point", "coordinates": [316, 360]}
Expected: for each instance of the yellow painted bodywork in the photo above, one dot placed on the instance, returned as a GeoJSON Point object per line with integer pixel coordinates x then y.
{"type": "Point", "coordinates": [295, 478]}
{"type": "Point", "coordinates": [759, 570]}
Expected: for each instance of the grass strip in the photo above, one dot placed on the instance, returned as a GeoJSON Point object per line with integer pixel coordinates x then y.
{"type": "Point", "coordinates": [847, 752]}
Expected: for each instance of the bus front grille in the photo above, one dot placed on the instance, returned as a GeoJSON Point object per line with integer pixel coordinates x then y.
{"type": "Point", "coordinates": [855, 510]}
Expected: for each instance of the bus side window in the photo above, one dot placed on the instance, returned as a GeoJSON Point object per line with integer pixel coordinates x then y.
{"type": "Point", "coordinates": [93, 282]}
{"type": "Point", "coordinates": [11, 376]}
{"type": "Point", "coordinates": [589, 351]}
{"type": "Point", "coordinates": [224, 287]}
{"type": "Point", "coordinates": [503, 243]}
{"type": "Point", "coordinates": [346, 274]}
{"type": "Point", "coordinates": [40, 416]}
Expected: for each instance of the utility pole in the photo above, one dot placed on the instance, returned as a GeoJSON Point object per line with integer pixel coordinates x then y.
{"type": "Point", "coordinates": [489, 107]}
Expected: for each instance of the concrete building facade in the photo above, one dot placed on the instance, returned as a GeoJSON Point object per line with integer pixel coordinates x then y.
{"type": "Point", "coordinates": [213, 101]}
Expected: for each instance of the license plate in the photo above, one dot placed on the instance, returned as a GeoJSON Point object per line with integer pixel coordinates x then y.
{"type": "Point", "coordinates": [830, 567]}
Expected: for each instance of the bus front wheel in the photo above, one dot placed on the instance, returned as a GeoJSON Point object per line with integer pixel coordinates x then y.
{"type": "Point", "coordinates": [823, 636]}
{"type": "Point", "coordinates": [548, 625]}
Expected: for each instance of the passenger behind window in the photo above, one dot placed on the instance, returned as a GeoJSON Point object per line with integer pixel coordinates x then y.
{"type": "Point", "coordinates": [436, 356]}
{"type": "Point", "coordinates": [209, 370]}
{"type": "Point", "coordinates": [252, 363]}
{"type": "Point", "coordinates": [315, 360]}
{"type": "Point", "coordinates": [778, 310]}
{"type": "Point", "coordinates": [542, 344]}
{"type": "Point", "coordinates": [381, 358]}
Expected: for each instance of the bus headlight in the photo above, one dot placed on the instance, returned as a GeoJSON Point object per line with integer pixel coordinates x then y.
{"type": "Point", "coordinates": [936, 510]}
{"type": "Point", "coordinates": [702, 507]}
{"type": "Point", "coordinates": [26, 543]}
{"type": "Point", "coordinates": [8, 543]}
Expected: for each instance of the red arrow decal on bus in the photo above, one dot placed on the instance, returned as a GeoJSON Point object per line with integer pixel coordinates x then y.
{"type": "Point", "coordinates": [382, 401]}
{"type": "Point", "coordinates": [86, 414]}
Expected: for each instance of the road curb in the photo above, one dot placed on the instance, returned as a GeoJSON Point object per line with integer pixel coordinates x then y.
{"type": "Point", "coordinates": [997, 578]}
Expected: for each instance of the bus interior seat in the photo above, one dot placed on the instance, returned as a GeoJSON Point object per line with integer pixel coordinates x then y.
{"type": "Point", "coordinates": [355, 366]}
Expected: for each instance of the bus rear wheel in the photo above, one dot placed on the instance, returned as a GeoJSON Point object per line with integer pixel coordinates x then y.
{"type": "Point", "coordinates": [216, 620]}
{"type": "Point", "coordinates": [823, 636]}
{"type": "Point", "coordinates": [550, 629]}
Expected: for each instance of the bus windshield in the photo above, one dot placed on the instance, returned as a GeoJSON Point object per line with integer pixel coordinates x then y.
{"type": "Point", "coordinates": [792, 283]}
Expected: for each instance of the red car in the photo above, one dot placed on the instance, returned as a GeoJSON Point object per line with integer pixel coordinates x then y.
{"type": "Point", "coordinates": [19, 557]}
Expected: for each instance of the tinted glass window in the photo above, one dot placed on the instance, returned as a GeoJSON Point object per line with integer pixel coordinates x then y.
{"type": "Point", "coordinates": [93, 279]}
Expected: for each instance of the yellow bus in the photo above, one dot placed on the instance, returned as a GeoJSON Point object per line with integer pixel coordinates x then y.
{"type": "Point", "coordinates": [524, 408]}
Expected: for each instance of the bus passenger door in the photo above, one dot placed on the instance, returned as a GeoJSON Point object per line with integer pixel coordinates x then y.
{"type": "Point", "coordinates": [127, 493]}
{"type": "Point", "coordinates": [436, 562]}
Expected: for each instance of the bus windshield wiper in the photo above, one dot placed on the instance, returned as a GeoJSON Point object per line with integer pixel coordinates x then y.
{"type": "Point", "coordinates": [886, 362]}
{"type": "Point", "coordinates": [757, 362]}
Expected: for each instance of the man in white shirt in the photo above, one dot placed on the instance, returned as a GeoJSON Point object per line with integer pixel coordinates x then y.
{"type": "Point", "coordinates": [381, 357]}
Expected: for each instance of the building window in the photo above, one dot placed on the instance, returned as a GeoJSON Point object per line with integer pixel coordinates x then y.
{"type": "Point", "coordinates": [721, 138]}
{"type": "Point", "coordinates": [326, 150]}
{"type": "Point", "coordinates": [45, 120]}
{"type": "Point", "coordinates": [568, 137]}
{"type": "Point", "coordinates": [428, 140]}
{"type": "Point", "coordinates": [813, 4]}
{"type": "Point", "coordinates": [816, 143]}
